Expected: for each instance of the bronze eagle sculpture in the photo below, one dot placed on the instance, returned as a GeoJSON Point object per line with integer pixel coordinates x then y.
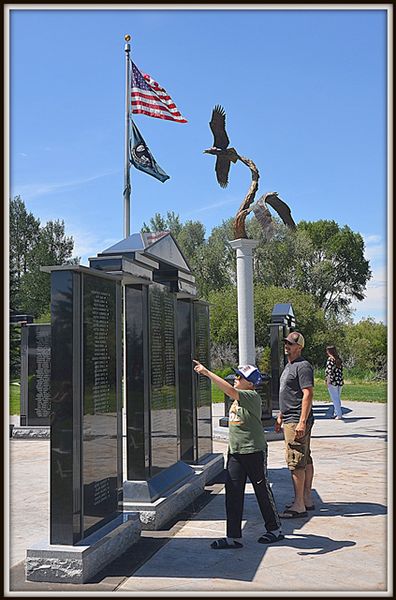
{"type": "Point", "coordinates": [280, 207]}
{"type": "Point", "coordinates": [224, 155]}
{"type": "Point", "coordinates": [263, 215]}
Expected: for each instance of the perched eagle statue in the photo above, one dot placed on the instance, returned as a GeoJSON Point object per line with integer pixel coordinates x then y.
{"type": "Point", "coordinates": [224, 155]}
{"type": "Point", "coordinates": [279, 206]}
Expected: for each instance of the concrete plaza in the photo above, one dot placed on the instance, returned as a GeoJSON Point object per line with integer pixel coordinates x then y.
{"type": "Point", "coordinates": [342, 547]}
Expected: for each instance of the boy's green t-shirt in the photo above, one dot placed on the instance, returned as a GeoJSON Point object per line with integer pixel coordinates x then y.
{"type": "Point", "coordinates": [246, 433]}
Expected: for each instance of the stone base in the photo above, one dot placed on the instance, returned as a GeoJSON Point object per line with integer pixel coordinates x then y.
{"type": "Point", "coordinates": [79, 563]}
{"type": "Point", "coordinates": [209, 467]}
{"type": "Point", "coordinates": [30, 432]}
{"type": "Point", "coordinates": [153, 515]}
{"type": "Point", "coordinates": [158, 485]}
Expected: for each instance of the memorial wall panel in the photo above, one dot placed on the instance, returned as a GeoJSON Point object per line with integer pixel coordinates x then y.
{"type": "Point", "coordinates": [138, 443]}
{"type": "Point", "coordinates": [86, 434]}
{"type": "Point", "coordinates": [163, 394]}
{"type": "Point", "coordinates": [186, 380]}
{"type": "Point", "coordinates": [203, 386]}
{"type": "Point", "coordinates": [99, 425]}
{"type": "Point", "coordinates": [64, 481]}
{"type": "Point", "coordinates": [36, 375]}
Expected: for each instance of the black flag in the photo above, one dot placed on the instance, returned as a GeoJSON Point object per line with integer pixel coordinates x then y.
{"type": "Point", "coordinates": [141, 157]}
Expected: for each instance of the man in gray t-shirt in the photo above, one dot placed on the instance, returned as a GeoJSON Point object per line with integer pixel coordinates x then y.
{"type": "Point", "coordinates": [296, 416]}
{"type": "Point", "coordinates": [296, 376]}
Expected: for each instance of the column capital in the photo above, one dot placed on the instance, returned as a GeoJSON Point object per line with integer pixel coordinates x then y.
{"type": "Point", "coordinates": [244, 244]}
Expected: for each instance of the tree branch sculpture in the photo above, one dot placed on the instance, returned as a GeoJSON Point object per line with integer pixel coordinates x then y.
{"type": "Point", "coordinates": [243, 211]}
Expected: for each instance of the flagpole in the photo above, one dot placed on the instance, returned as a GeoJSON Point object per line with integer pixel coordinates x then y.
{"type": "Point", "coordinates": [127, 174]}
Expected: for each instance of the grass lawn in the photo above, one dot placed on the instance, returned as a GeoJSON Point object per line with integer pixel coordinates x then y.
{"type": "Point", "coordinates": [15, 395]}
{"type": "Point", "coordinates": [361, 392]}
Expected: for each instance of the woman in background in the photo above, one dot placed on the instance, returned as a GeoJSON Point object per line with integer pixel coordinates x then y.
{"type": "Point", "coordinates": [334, 379]}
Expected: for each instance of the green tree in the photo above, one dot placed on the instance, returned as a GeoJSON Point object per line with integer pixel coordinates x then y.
{"type": "Point", "coordinates": [311, 320]}
{"type": "Point", "coordinates": [52, 248]}
{"type": "Point", "coordinates": [217, 269]}
{"type": "Point", "coordinates": [365, 347]}
{"type": "Point", "coordinates": [24, 231]}
{"type": "Point", "coordinates": [320, 258]}
{"type": "Point", "coordinates": [223, 313]}
{"type": "Point", "coordinates": [336, 272]}
{"type": "Point", "coordinates": [33, 246]}
{"type": "Point", "coordinates": [159, 223]}
{"type": "Point", "coordinates": [15, 351]}
{"type": "Point", "coordinates": [191, 239]}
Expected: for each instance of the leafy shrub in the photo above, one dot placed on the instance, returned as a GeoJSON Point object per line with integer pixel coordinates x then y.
{"type": "Point", "coordinates": [223, 355]}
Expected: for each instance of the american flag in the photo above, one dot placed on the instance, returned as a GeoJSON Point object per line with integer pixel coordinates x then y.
{"type": "Point", "coordinates": [149, 98]}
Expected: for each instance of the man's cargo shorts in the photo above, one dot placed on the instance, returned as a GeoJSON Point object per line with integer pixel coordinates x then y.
{"type": "Point", "coordinates": [298, 451]}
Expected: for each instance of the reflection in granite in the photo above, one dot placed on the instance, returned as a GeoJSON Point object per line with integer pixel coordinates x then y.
{"type": "Point", "coordinates": [204, 389]}
{"type": "Point", "coordinates": [186, 380]}
{"type": "Point", "coordinates": [163, 378]}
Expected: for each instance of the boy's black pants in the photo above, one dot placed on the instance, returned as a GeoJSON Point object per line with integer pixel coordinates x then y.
{"type": "Point", "coordinates": [239, 467]}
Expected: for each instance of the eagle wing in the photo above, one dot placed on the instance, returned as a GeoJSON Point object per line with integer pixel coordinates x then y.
{"type": "Point", "coordinates": [217, 125]}
{"type": "Point", "coordinates": [263, 216]}
{"type": "Point", "coordinates": [281, 208]}
{"type": "Point", "coordinates": [222, 168]}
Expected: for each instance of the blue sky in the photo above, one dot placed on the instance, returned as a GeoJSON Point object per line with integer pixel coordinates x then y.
{"type": "Point", "coordinates": [305, 92]}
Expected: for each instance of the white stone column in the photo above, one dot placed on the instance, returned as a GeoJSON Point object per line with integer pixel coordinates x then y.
{"type": "Point", "coordinates": [246, 340]}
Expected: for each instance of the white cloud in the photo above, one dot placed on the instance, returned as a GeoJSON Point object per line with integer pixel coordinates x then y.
{"type": "Point", "coordinates": [87, 244]}
{"type": "Point", "coordinates": [375, 249]}
{"type": "Point", "coordinates": [211, 206]}
{"type": "Point", "coordinates": [32, 190]}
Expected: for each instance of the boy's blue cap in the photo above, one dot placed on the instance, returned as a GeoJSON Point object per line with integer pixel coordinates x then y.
{"type": "Point", "coordinates": [249, 372]}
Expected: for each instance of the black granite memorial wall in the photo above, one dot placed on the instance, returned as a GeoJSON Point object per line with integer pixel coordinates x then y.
{"type": "Point", "coordinates": [86, 432]}
{"type": "Point", "coordinates": [203, 384]}
{"type": "Point", "coordinates": [136, 376]}
{"type": "Point", "coordinates": [35, 375]}
{"type": "Point", "coordinates": [163, 368]}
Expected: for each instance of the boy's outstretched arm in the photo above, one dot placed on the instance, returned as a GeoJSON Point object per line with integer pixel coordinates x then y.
{"type": "Point", "coordinates": [224, 386]}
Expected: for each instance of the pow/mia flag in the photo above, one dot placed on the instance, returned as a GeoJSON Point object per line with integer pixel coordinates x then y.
{"type": "Point", "coordinates": [141, 157]}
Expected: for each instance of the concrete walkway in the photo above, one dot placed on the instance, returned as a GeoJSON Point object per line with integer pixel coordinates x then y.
{"type": "Point", "coordinates": [342, 547]}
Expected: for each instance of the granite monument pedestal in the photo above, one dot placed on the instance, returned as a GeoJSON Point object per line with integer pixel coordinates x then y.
{"type": "Point", "coordinates": [79, 562]}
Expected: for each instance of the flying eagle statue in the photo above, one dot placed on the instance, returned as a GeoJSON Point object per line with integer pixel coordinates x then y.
{"type": "Point", "coordinates": [224, 157]}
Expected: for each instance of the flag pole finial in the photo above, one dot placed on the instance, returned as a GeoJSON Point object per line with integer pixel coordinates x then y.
{"type": "Point", "coordinates": [127, 37]}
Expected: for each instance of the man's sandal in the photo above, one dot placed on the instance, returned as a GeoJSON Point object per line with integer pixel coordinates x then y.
{"type": "Point", "coordinates": [222, 544]}
{"type": "Point", "coordinates": [292, 514]}
{"type": "Point", "coordinates": [270, 538]}
{"type": "Point", "coordinates": [306, 508]}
